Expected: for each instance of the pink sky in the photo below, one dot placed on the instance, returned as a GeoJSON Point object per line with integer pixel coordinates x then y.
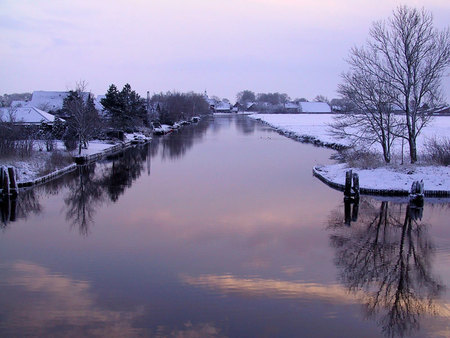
{"type": "Point", "coordinates": [222, 46]}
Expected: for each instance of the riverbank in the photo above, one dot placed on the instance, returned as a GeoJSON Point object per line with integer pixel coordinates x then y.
{"type": "Point", "coordinates": [394, 179]}
{"type": "Point", "coordinates": [30, 170]}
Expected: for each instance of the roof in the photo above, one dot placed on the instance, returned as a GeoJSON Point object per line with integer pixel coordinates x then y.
{"type": "Point", "coordinates": [31, 115]}
{"type": "Point", "coordinates": [315, 107]}
{"type": "Point", "coordinates": [49, 100]}
{"type": "Point", "coordinates": [222, 106]}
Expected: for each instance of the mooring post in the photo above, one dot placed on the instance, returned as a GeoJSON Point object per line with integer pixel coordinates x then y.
{"type": "Point", "coordinates": [348, 183]}
{"type": "Point", "coordinates": [356, 185]}
{"type": "Point", "coordinates": [12, 181]}
{"type": "Point", "coordinates": [416, 196]}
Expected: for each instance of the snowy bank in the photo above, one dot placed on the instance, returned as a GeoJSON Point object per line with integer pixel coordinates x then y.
{"type": "Point", "coordinates": [389, 180]}
{"type": "Point", "coordinates": [28, 170]}
{"type": "Point", "coordinates": [309, 128]}
{"type": "Point", "coordinates": [314, 128]}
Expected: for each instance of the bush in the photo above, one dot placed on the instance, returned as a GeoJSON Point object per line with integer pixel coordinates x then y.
{"type": "Point", "coordinates": [360, 158]}
{"type": "Point", "coordinates": [437, 151]}
{"type": "Point", "coordinates": [57, 160]}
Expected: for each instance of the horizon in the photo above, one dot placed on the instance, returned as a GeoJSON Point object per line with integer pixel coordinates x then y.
{"type": "Point", "coordinates": [222, 47]}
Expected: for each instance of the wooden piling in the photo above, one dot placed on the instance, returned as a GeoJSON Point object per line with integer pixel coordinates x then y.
{"type": "Point", "coordinates": [13, 189]}
{"type": "Point", "coordinates": [356, 185]}
{"type": "Point", "coordinates": [348, 183]}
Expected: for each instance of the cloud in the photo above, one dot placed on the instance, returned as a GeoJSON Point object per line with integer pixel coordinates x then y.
{"type": "Point", "coordinates": [43, 301]}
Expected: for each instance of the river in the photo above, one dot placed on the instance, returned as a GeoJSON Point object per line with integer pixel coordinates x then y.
{"type": "Point", "coordinates": [219, 230]}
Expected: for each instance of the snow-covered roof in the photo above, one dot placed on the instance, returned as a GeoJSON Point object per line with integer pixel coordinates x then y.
{"type": "Point", "coordinates": [30, 115]}
{"type": "Point", "coordinates": [315, 107]}
{"type": "Point", "coordinates": [50, 100]}
{"type": "Point", "coordinates": [222, 106]}
{"type": "Point", "coordinates": [291, 105]}
{"type": "Point", "coordinates": [15, 104]}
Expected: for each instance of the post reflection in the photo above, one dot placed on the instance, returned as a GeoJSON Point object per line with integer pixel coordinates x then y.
{"type": "Point", "coordinates": [14, 208]}
{"type": "Point", "coordinates": [387, 254]}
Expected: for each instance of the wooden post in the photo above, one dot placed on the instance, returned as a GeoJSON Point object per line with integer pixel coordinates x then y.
{"type": "Point", "coordinates": [416, 195]}
{"type": "Point", "coordinates": [12, 181]}
{"type": "Point", "coordinates": [356, 185]}
{"type": "Point", "coordinates": [348, 183]}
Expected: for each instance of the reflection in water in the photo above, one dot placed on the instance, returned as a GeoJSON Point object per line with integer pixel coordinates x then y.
{"type": "Point", "coordinates": [91, 185]}
{"type": "Point", "coordinates": [387, 254]}
{"type": "Point", "coordinates": [83, 196]}
{"type": "Point", "coordinates": [12, 209]}
{"type": "Point", "coordinates": [175, 145]}
{"type": "Point", "coordinates": [56, 305]}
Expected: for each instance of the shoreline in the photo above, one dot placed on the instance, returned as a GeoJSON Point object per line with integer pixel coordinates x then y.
{"type": "Point", "coordinates": [78, 160]}
{"type": "Point", "coordinates": [318, 172]}
{"type": "Point", "coordinates": [372, 181]}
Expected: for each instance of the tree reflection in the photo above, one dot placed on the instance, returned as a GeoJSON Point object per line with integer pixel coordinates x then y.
{"type": "Point", "coordinates": [82, 199]}
{"type": "Point", "coordinates": [387, 254]}
{"type": "Point", "coordinates": [176, 144]}
{"type": "Point", "coordinates": [89, 186]}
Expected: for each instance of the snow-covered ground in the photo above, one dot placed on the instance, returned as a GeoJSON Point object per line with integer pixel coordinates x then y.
{"type": "Point", "coordinates": [392, 177]}
{"type": "Point", "coordinates": [317, 126]}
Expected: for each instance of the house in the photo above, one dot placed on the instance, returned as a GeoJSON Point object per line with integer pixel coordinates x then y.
{"type": "Point", "coordinates": [222, 107]}
{"type": "Point", "coordinates": [52, 100]}
{"type": "Point", "coordinates": [314, 107]}
{"type": "Point", "coordinates": [291, 107]}
{"type": "Point", "coordinates": [28, 116]}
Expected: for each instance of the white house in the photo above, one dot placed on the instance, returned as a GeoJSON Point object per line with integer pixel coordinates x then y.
{"type": "Point", "coordinates": [308, 107]}
{"type": "Point", "coordinates": [314, 107]}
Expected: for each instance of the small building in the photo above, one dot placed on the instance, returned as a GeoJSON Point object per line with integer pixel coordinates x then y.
{"type": "Point", "coordinates": [222, 107]}
{"type": "Point", "coordinates": [314, 107]}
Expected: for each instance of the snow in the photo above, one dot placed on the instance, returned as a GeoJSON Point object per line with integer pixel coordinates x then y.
{"type": "Point", "coordinates": [48, 100]}
{"type": "Point", "coordinates": [317, 127]}
{"type": "Point", "coordinates": [29, 169]}
{"type": "Point", "coordinates": [391, 178]}
{"type": "Point", "coordinates": [302, 125]}
{"type": "Point", "coordinates": [315, 107]}
{"type": "Point", "coordinates": [30, 115]}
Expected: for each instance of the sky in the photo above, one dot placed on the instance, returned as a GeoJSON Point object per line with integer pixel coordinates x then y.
{"type": "Point", "coordinates": [296, 47]}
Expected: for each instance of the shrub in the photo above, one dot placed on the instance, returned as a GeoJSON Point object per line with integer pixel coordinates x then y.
{"type": "Point", "coordinates": [437, 151]}
{"type": "Point", "coordinates": [360, 158]}
{"type": "Point", "coordinates": [57, 160]}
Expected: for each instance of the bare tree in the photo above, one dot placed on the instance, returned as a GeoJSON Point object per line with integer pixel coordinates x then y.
{"type": "Point", "coordinates": [407, 57]}
{"type": "Point", "coordinates": [83, 117]}
{"type": "Point", "coordinates": [372, 120]}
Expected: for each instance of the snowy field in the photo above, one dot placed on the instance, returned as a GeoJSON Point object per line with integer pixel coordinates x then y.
{"type": "Point", "coordinates": [316, 126]}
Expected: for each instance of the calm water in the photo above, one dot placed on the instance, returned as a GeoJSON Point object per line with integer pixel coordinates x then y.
{"type": "Point", "coordinates": [219, 230]}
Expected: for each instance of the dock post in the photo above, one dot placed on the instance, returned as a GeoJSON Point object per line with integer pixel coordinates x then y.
{"type": "Point", "coordinates": [348, 183]}
{"type": "Point", "coordinates": [12, 181]}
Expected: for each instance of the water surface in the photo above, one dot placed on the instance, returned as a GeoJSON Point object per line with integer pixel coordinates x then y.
{"type": "Point", "coordinates": [219, 230]}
